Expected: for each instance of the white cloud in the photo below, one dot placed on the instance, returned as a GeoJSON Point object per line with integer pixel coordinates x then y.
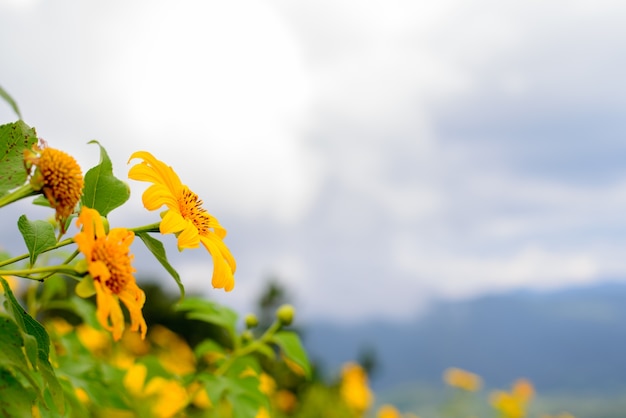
{"type": "Point", "coordinates": [369, 150]}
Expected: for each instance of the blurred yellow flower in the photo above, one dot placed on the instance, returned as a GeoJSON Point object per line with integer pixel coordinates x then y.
{"type": "Point", "coordinates": [523, 389]}
{"type": "Point", "coordinates": [262, 413]}
{"type": "Point", "coordinates": [267, 384]}
{"type": "Point", "coordinates": [388, 411]}
{"type": "Point", "coordinates": [199, 396]}
{"type": "Point", "coordinates": [58, 326]}
{"type": "Point", "coordinates": [82, 396]}
{"type": "Point", "coordinates": [109, 264]}
{"type": "Point", "coordinates": [12, 282]}
{"type": "Point", "coordinates": [172, 351]}
{"type": "Point", "coordinates": [165, 398]}
{"type": "Point", "coordinates": [285, 401]}
{"type": "Point", "coordinates": [514, 404]}
{"type": "Point", "coordinates": [58, 176]}
{"type": "Point", "coordinates": [462, 379]}
{"type": "Point", "coordinates": [508, 405]}
{"type": "Point", "coordinates": [96, 341]}
{"type": "Point", "coordinates": [185, 215]}
{"type": "Point", "coordinates": [354, 388]}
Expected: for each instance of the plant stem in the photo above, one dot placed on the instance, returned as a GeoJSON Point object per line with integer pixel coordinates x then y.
{"type": "Point", "coordinates": [27, 273]}
{"type": "Point", "coordinates": [147, 228]}
{"type": "Point", "coordinates": [17, 194]}
{"type": "Point", "coordinates": [248, 349]}
{"type": "Point", "coordinates": [24, 256]}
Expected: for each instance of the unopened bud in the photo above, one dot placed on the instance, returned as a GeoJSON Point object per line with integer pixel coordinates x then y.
{"type": "Point", "coordinates": [251, 321]}
{"type": "Point", "coordinates": [285, 314]}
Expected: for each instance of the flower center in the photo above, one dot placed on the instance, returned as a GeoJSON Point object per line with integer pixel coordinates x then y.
{"type": "Point", "coordinates": [62, 180]}
{"type": "Point", "coordinates": [191, 209]}
{"type": "Point", "coordinates": [117, 260]}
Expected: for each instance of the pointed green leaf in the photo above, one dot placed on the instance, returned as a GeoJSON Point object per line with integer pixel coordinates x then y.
{"type": "Point", "coordinates": [14, 139]}
{"type": "Point", "coordinates": [7, 98]}
{"type": "Point", "coordinates": [41, 200]}
{"type": "Point", "coordinates": [38, 236]}
{"type": "Point", "coordinates": [34, 336]}
{"type": "Point", "coordinates": [207, 311]}
{"type": "Point", "coordinates": [158, 250]}
{"type": "Point", "coordinates": [103, 191]}
{"type": "Point", "coordinates": [15, 401]}
{"type": "Point", "coordinates": [12, 354]}
{"type": "Point", "coordinates": [291, 347]}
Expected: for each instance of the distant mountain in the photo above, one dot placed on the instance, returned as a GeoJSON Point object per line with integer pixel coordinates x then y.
{"type": "Point", "coordinates": [568, 340]}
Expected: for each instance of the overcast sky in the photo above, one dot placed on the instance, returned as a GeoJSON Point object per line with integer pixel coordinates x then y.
{"type": "Point", "coordinates": [372, 154]}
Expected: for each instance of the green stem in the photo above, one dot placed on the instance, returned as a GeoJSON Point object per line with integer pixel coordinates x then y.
{"type": "Point", "coordinates": [24, 256]}
{"type": "Point", "coordinates": [147, 228]}
{"type": "Point", "coordinates": [17, 194]}
{"type": "Point", "coordinates": [27, 273]}
{"type": "Point", "coordinates": [248, 349]}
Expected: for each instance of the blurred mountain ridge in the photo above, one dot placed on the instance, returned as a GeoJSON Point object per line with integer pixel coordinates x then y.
{"type": "Point", "coordinates": [569, 340]}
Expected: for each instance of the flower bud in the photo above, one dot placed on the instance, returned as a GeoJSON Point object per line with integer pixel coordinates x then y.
{"type": "Point", "coordinates": [285, 314]}
{"type": "Point", "coordinates": [251, 321]}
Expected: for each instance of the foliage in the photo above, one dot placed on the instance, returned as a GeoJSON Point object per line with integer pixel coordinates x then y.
{"type": "Point", "coordinates": [67, 350]}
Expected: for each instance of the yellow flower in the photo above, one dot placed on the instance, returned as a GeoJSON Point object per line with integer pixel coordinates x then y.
{"type": "Point", "coordinates": [285, 401]}
{"type": "Point", "coordinates": [199, 396]}
{"type": "Point", "coordinates": [388, 411]}
{"type": "Point", "coordinates": [109, 264]}
{"type": "Point", "coordinates": [462, 379]}
{"type": "Point", "coordinates": [82, 395]}
{"type": "Point", "coordinates": [96, 341]}
{"type": "Point", "coordinates": [267, 384]}
{"type": "Point", "coordinates": [354, 387]}
{"type": "Point", "coordinates": [513, 404]}
{"type": "Point", "coordinates": [165, 398]}
{"type": "Point", "coordinates": [173, 352]}
{"type": "Point", "coordinates": [262, 413]}
{"type": "Point", "coordinates": [523, 390]}
{"type": "Point", "coordinates": [508, 405]}
{"type": "Point", "coordinates": [58, 176]}
{"type": "Point", "coordinates": [184, 216]}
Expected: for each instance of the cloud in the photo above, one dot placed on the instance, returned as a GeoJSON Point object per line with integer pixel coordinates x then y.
{"type": "Point", "coordinates": [372, 154]}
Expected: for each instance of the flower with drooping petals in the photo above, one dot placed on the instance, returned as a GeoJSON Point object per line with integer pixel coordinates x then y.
{"type": "Point", "coordinates": [109, 264]}
{"type": "Point", "coordinates": [184, 216]}
{"type": "Point", "coordinates": [58, 176]}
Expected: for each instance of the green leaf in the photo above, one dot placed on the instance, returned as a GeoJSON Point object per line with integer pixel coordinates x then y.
{"type": "Point", "coordinates": [35, 337]}
{"type": "Point", "coordinates": [207, 311]}
{"type": "Point", "coordinates": [38, 236]}
{"type": "Point", "coordinates": [242, 393]}
{"type": "Point", "coordinates": [14, 139]}
{"type": "Point", "coordinates": [266, 350]}
{"type": "Point", "coordinates": [7, 98]}
{"type": "Point", "coordinates": [41, 200]}
{"type": "Point", "coordinates": [12, 355]}
{"type": "Point", "coordinates": [103, 191]}
{"type": "Point", "coordinates": [15, 401]}
{"type": "Point", "coordinates": [208, 346]}
{"type": "Point", "coordinates": [291, 347]}
{"type": "Point", "coordinates": [158, 250]}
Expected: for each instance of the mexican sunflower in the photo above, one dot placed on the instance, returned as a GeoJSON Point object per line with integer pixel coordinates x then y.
{"type": "Point", "coordinates": [354, 388]}
{"type": "Point", "coordinates": [58, 176]}
{"type": "Point", "coordinates": [185, 217]}
{"type": "Point", "coordinates": [109, 264]}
